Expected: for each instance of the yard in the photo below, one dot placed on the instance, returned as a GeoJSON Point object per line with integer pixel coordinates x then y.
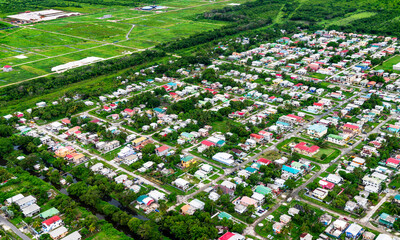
{"type": "Point", "coordinates": [388, 65]}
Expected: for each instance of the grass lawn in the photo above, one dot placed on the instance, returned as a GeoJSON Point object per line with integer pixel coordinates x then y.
{"type": "Point", "coordinates": [215, 176]}
{"type": "Point", "coordinates": [388, 65]}
{"type": "Point", "coordinates": [319, 76]}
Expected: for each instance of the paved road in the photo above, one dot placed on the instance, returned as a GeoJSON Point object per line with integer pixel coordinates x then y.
{"type": "Point", "coordinates": [13, 228]}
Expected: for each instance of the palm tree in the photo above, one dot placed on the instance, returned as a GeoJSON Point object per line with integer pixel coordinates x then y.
{"type": "Point", "coordinates": [92, 228]}
{"type": "Point", "coordinates": [36, 223]}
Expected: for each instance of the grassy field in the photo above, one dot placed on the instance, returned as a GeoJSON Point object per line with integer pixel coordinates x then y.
{"type": "Point", "coordinates": [388, 65]}
{"type": "Point", "coordinates": [32, 50]}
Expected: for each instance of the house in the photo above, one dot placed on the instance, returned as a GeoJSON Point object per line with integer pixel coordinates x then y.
{"type": "Point", "coordinates": [187, 161]}
{"type": "Point", "coordinates": [393, 128]}
{"type": "Point", "coordinates": [336, 139]}
{"type": "Point", "coordinates": [232, 236]}
{"type": "Point", "coordinates": [353, 231]}
{"type": "Point", "coordinates": [51, 223]}
{"type": "Point", "coordinates": [256, 137]}
{"type": "Point", "coordinates": [334, 178]}
{"type": "Point", "coordinates": [263, 190]}
{"type": "Point", "coordinates": [368, 236]}
{"type": "Point", "coordinates": [392, 162]}
{"type": "Point", "coordinates": [292, 172]}
{"type": "Point", "coordinates": [326, 185]}
{"type": "Point", "coordinates": [7, 68]}
{"type": "Point", "coordinates": [320, 193]}
{"type": "Point", "coordinates": [351, 128]}
{"type": "Point", "coordinates": [325, 219]}
{"type": "Point", "coordinates": [306, 236]}
{"type": "Point", "coordinates": [187, 210]}
{"type": "Point", "coordinates": [162, 151]}
{"type": "Point", "coordinates": [31, 210]}
{"type": "Point", "coordinates": [264, 161]}
{"type": "Point", "coordinates": [387, 220]}
{"type": "Point", "coordinates": [49, 213]}
{"type": "Point", "coordinates": [13, 199]}
{"type": "Point", "coordinates": [224, 158]}
{"type": "Point", "coordinates": [304, 149]}
{"type": "Point", "coordinates": [73, 236]}
{"type": "Point", "coordinates": [247, 201]}
{"type": "Point", "coordinates": [197, 204]}
{"type": "Point", "coordinates": [350, 206]}
{"type": "Point", "coordinates": [156, 195]}
{"type": "Point", "coordinates": [396, 199]}
{"type": "Point", "coordinates": [181, 183]}
{"type": "Point", "coordinates": [223, 215]}
{"type": "Point", "coordinates": [277, 227]}
{"type": "Point", "coordinates": [317, 130]}
{"type": "Point", "coordinates": [58, 233]}
{"type": "Point", "coordinates": [26, 201]}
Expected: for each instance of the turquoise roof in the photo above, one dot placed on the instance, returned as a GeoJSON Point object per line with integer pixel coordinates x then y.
{"type": "Point", "coordinates": [187, 158]}
{"type": "Point", "coordinates": [317, 127]}
{"type": "Point", "coordinates": [250, 169]}
{"type": "Point", "coordinates": [290, 169]}
{"type": "Point", "coordinates": [141, 198]}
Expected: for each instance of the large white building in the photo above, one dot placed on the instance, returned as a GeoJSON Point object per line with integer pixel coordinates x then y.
{"type": "Point", "coordinates": [224, 158]}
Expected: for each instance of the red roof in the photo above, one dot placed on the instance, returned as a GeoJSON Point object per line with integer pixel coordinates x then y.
{"type": "Point", "coordinates": [172, 94]}
{"type": "Point", "coordinates": [128, 110]}
{"type": "Point", "coordinates": [51, 220]}
{"type": "Point", "coordinates": [207, 143]}
{"type": "Point", "coordinates": [113, 105]}
{"type": "Point", "coordinates": [326, 184]}
{"type": "Point", "coordinates": [162, 148]}
{"type": "Point", "coordinates": [294, 116]}
{"type": "Point", "coordinates": [264, 161]}
{"type": "Point", "coordinates": [7, 66]}
{"type": "Point", "coordinates": [69, 156]}
{"type": "Point", "coordinates": [392, 160]}
{"type": "Point", "coordinates": [95, 121]}
{"type": "Point", "coordinates": [303, 146]}
{"type": "Point", "coordinates": [226, 236]}
{"type": "Point", "coordinates": [318, 104]}
{"type": "Point", "coordinates": [354, 127]}
{"type": "Point", "coordinates": [253, 135]}
{"type": "Point", "coordinates": [106, 108]}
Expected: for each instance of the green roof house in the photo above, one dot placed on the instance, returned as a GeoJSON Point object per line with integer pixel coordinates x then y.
{"type": "Point", "coordinates": [49, 213]}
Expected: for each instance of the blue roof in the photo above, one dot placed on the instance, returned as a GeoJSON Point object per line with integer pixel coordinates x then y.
{"type": "Point", "coordinates": [159, 110]}
{"type": "Point", "coordinates": [290, 169]}
{"type": "Point", "coordinates": [250, 169]}
{"type": "Point", "coordinates": [397, 197]}
{"type": "Point", "coordinates": [220, 142]}
{"type": "Point", "coordinates": [171, 84]}
{"type": "Point", "coordinates": [282, 123]}
{"type": "Point", "coordinates": [317, 127]}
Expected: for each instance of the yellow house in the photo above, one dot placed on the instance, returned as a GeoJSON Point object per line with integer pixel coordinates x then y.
{"type": "Point", "coordinates": [187, 161]}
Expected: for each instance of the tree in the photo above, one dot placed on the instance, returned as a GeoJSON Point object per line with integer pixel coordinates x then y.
{"type": "Point", "coordinates": [172, 197]}
{"type": "Point", "coordinates": [149, 149]}
{"type": "Point", "coordinates": [134, 224]}
{"type": "Point", "coordinates": [290, 184]}
{"type": "Point", "coordinates": [6, 147]}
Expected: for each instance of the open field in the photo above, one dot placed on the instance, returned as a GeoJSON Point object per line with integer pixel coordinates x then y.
{"type": "Point", "coordinates": [32, 50]}
{"type": "Point", "coordinates": [388, 65]}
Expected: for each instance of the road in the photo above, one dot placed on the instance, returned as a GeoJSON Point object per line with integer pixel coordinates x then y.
{"type": "Point", "coordinates": [13, 228]}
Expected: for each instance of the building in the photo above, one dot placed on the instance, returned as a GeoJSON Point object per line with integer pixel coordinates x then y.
{"type": "Point", "coordinates": [13, 199]}
{"type": "Point", "coordinates": [162, 151]}
{"type": "Point", "coordinates": [292, 172]}
{"type": "Point", "coordinates": [51, 223]}
{"type": "Point", "coordinates": [224, 158]}
{"type": "Point", "coordinates": [336, 139]}
{"type": "Point", "coordinates": [335, 179]}
{"type": "Point", "coordinates": [58, 233]}
{"type": "Point", "coordinates": [26, 201]}
{"type": "Point", "coordinates": [187, 161]}
{"type": "Point", "coordinates": [387, 220]}
{"type": "Point", "coordinates": [392, 162]}
{"type": "Point", "coordinates": [7, 68]}
{"type": "Point", "coordinates": [304, 149]}
{"type": "Point", "coordinates": [73, 236]}
{"type": "Point", "coordinates": [232, 236]}
{"type": "Point", "coordinates": [354, 231]}
{"type": "Point", "coordinates": [320, 193]}
{"type": "Point", "coordinates": [317, 130]}
{"type": "Point", "coordinates": [31, 210]}
{"type": "Point", "coordinates": [181, 183]}
{"type": "Point", "coordinates": [49, 213]}
{"type": "Point", "coordinates": [306, 236]}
